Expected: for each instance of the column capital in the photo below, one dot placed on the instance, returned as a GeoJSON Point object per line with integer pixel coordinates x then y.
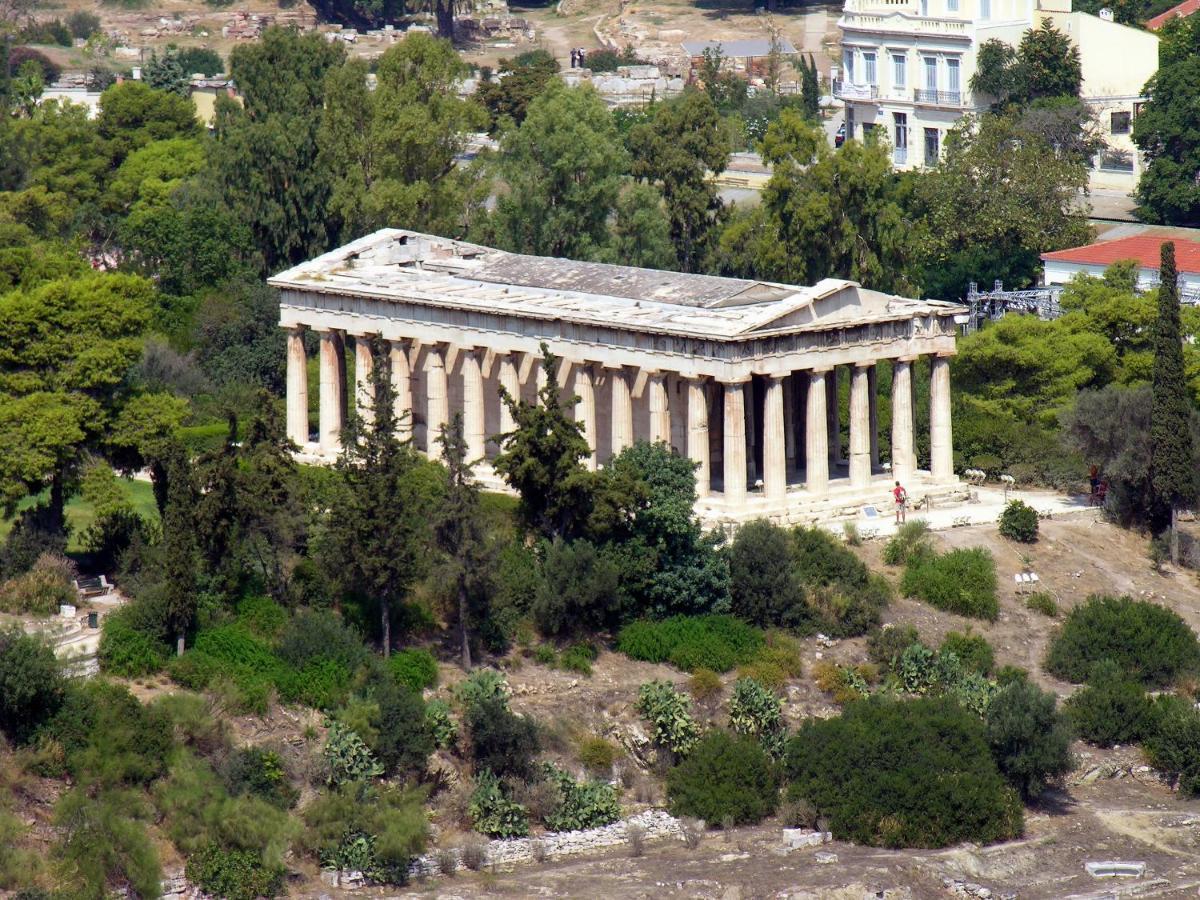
{"type": "Point", "coordinates": [906, 359]}
{"type": "Point", "coordinates": [736, 380]}
{"type": "Point", "coordinates": [613, 366]}
{"type": "Point", "coordinates": [945, 354]}
{"type": "Point", "coordinates": [819, 370]}
{"type": "Point", "coordinates": [865, 364]}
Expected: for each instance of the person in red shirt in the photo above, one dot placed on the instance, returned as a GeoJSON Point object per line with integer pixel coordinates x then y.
{"type": "Point", "coordinates": [901, 496]}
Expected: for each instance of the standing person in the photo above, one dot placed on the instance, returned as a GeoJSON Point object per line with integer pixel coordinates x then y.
{"type": "Point", "coordinates": [901, 497]}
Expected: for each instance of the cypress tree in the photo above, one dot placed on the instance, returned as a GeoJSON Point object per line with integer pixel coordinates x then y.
{"type": "Point", "coordinates": [1172, 474]}
{"type": "Point", "coordinates": [180, 554]}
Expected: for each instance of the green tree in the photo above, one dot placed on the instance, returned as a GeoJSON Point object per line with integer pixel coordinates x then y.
{"type": "Point", "coordinates": [974, 230]}
{"type": "Point", "coordinates": [683, 142]}
{"type": "Point", "coordinates": [459, 533]}
{"type": "Point", "coordinates": [264, 157]}
{"type": "Point", "coordinates": [562, 168]}
{"type": "Point", "coordinates": [640, 234]}
{"type": "Point", "coordinates": [391, 150]}
{"type": "Point", "coordinates": [1172, 454]}
{"type": "Point", "coordinates": [178, 576]}
{"type": "Point", "coordinates": [1029, 738]}
{"type": "Point", "coordinates": [542, 459]}
{"type": "Point", "coordinates": [525, 78]}
{"type": "Point", "coordinates": [1044, 65]}
{"type": "Point", "coordinates": [810, 88]}
{"type": "Point", "coordinates": [1166, 133]}
{"type": "Point", "coordinates": [132, 114]}
{"type": "Point", "coordinates": [764, 584]}
{"type": "Point", "coordinates": [377, 527]}
{"type": "Point", "coordinates": [31, 684]}
{"type": "Point", "coordinates": [166, 73]}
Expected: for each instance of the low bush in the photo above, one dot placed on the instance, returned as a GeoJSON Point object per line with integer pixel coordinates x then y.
{"type": "Point", "coordinates": [262, 615]}
{"type": "Point", "coordinates": [1042, 602]}
{"type": "Point", "coordinates": [404, 739]}
{"type": "Point", "coordinates": [127, 651]}
{"type": "Point", "coordinates": [580, 592]}
{"type": "Point", "coordinates": [41, 590]}
{"type": "Point", "coordinates": [903, 774]}
{"type": "Point", "coordinates": [776, 663]}
{"type": "Point", "coordinates": [725, 778]}
{"type": "Point", "coordinates": [821, 560]}
{"type": "Point", "coordinates": [233, 874]}
{"type": "Point", "coordinates": [104, 844]}
{"type": "Point", "coordinates": [1174, 745]}
{"type": "Point", "coordinates": [1112, 709]}
{"type": "Point", "coordinates": [972, 650]}
{"type": "Point", "coordinates": [597, 754]}
{"type": "Point", "coordinates": [501, 741]}
{"type": "Point", "coordinates": [846, 683]}
{"type": "Point", "coordinates": [261, 773]}
{"type": "Point", "coordinates": [1019, 522]}
{"type": "Point", "coordinates": [31, 684]}
{"type": "Point", "coordinates": [492, 813]}
{"type": "Point", "coordinates": [1029, 738]}
{"type": "Point", "coordinates": [716, 642]}
{"type": "Point", "coordinates": [581, 805]}
{"type": "Point", "coordinates": [347, 758]}
{"type": "Point", "coordinates": [911, 539]}
{"type": "Point", "coordinates": [670, 716]}
{"type": "Point", "coordinates": [756, 712]}
{"type": "Point", "coordinates": [480, 685]}
{"type": "Point", "coordinates": [705, 683]}
{"type": "Point", "coordinates": [579, 658]}
{"type": "Point", "coordinates": [1149, 643]}
{"type": "Point", "coordinates": [886, 645]}
{"type": "Point", "coordinates": [961, 581]}
{"type": "Point", "coordinates": [414, 668]}
{"type": "Point", "coordinates": [312, 636]}
{"type": "Point", "coordinates": [373, 829]}
{"type": "Point", "coordinates": [441, 724]}
{"type": "Point", "coordinates": [849, 612]}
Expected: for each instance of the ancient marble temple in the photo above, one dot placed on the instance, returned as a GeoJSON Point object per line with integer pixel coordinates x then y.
{"type": "Point", "coordinates": [740, 376]}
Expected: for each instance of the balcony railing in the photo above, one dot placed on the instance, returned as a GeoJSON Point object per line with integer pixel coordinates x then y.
{"type": "Point", "coordinates": [938, 98]}
{"type": "Point", "coordinates": [848, 91]}
{"type": "Point", "coordinates": [900, 156]}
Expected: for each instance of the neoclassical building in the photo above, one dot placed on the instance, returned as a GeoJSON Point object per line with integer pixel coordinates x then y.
{"type": "Point", "coordinates": [740, 376]}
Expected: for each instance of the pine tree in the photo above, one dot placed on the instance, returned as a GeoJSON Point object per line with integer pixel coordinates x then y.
{"type": "Point", "coordinates": [1172, 457]}
{"type": "Point", "coordinates": [542, 460]}
{"type": "Point", "coordinates": [459, 533]}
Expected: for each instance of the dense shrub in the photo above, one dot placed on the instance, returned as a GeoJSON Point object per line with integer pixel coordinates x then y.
{"type": "Point", "coordinates": [597, 754]}
{"type": "Point", "coordinates": [670, 715]}
{"type": "Point", "coordinates": [501, 741]}
{"type": "Point", "coordinates": [493, 813]}
{"type": "Point", "coordinates": [903, 774]}
{"type": "Point", "coordinates": [347, 757]}
{"type": "Point", "coordinates": [972, 650]}
{"type": "Point", "coordinates": [822, 560]}
{"type": "Point", "coordinates": [580, 591]}
{"type": "Point", "coordinates": [404, 739]}
{"type": "Point", "coordinates": [480, 685]}
{"type": "Point", "coordinates": [1174, 745]}
{"type": "Point", "coordinates": [846, 683]}
{"type": "Point", "coordinates": [262, 615]}
{"type": "Point", "coordinates": [318, 635]}
{"type": "Point", "coordinates": [775, 663]}
{"type": "Point", "coordinates": [579, 657]}
{"type": "Point", "coordinates": [233, 874]}
{"type": "Point", "coordinates": [960, 581]}
{"type": "Point", "coordinates": [581, 804]}
{"type": "Point", "coordinates": [705, 683]}
{"type": "Point", "coordinates": [41, 590]}
{"type": "Point", "coordinates": [414, 668]}
{"type": "Point", "coordinates": [260, 772]}
{"type": "Point", "coordinates": [714, 642]}
{"type": "Point", "coordinates": [1019, 522]}
{"type": "Point", "coordinates": [850, 611]}
{"type": "Point", "coordinates": [1150, 643]}
{"type": "Point", "coordinates": [31, 534]}
{"type": "Point", "coordinates": [725, 778]}
{"type": "Point", "coordinates": [441, 724]}
{"type": "Point", "coordinates": [374, 829]}
{"type": "Point", "coordinates": [911, 539]}
{"type": "Point", "coordinates": [126, 650]}
{"type": "Point", "coordinates": [886, 645]}
{"type": "Point", "coordinates": [1042, 602]}
{"type": "Point", "coordinates": [764, 585]}
{"type": "Point", "coordinates": [756, 712]}
{"type": "Point", "coordinates": [1112, 709]}
{"type": "Point", "coordinates": [104, 844]}
{"type": "Point", "coordinates": [83, 23]}
{"type": "Point", "coordinates": [31, 684]}
{"type": "Point", "coordinates": [1029, 738]}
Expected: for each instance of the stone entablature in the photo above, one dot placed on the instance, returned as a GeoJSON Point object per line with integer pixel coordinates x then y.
{"type": "Point", "coordinates": [734, 374]}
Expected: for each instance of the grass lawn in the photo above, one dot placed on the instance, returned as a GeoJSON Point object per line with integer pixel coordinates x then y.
{"type": "Point", "coordinates": [81, 514]}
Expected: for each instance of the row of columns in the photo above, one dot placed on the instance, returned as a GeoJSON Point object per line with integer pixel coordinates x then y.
{"type": "Point", "coordinates": [822, 444]}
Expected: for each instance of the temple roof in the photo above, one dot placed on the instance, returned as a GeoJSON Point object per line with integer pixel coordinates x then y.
{"type": "Point", "coordinates": [420, 268]}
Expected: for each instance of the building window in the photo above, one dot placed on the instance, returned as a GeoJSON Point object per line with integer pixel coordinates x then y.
{"type": "Point", "coordinates": [1120, 122]}
{"type": "Point", "coordinates": [953, 84]}
{"type": "Point", "coordinates": [952, 5]}
{"type": "Point", "coordinates": [899, 71]}
{"type": "Point", "coordinates": [1137, 109]}
{"type": "Point", "coordinates": [931, 146]}
{"type": "Point", "coordinates": [900, 150]}
{"type": "Point", "coordinates": [869, 74]}
{"type": "Point", "coordinates": [848, 66]}
{"type": "Point", "coordinates": [985, 9]}
{"type": "Point", "coordinates": [1116, 161]}
{"type": "Point", "coordinates": [931, 73]}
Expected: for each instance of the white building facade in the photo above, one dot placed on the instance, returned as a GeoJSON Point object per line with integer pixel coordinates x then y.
{"type": "Point", "coordinates": [740, 376]}
{"type": "Point", "coordinates": [907, 65]}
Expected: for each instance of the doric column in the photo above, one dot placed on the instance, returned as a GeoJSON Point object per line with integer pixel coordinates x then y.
{"type": "Point", "coordinates": [735, 442]}
{"type": "Point", "coordinates": [660, 413]}
{"type": "Point", "coordinates": [401, 375]}
{"type": "Point", "coordinates": [473, 409]}
{"type": "Point", "coordinates": [860, 426]}
{"type": "Point", "coordinates": [789, 418]}
{"type": "Point", "coordinates": [510, 380]}
{"type": "Point", "coordinates": [834, 428]}
{"type": "Point", "coordinates": [816, 435]}
{"type": "Point", "coordinates": [697, 435]}
{"type": "Point", "coordinates": [774, 441]}
{"type": "Point", "coordinates": [437, 400]}
{"type": "Point", "coordinates": [333, 392]}
{"type": "Point", "coordinates": [752, 423]}
{"type": "Point", "coordinates": [297, 388]}
{"type": "Point", "coordinates": [364, 390]}
{"type": "Point", "coordinates": [873, 406]}
{"type": "Point", "coordinates": [941, 440]}
{"type": "Point", "coordinates": [622, 411]}
{"type": "Point", "coordinates": [585, 409]}
{"type": "Point", "coordinates": [903, 460]}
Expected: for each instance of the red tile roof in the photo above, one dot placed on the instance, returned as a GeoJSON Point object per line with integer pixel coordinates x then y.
{"type": "Point", "coordinates": [1145, 248]}
{"type": "Point", "coordinates": [1184, 9]}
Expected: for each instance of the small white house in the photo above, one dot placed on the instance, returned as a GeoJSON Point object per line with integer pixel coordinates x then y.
{"type": "Point", "coordinates": [1144, 249]}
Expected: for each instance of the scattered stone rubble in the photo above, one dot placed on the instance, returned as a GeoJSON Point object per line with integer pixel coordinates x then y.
{"type": "Point", "coordinates": [961, 888]}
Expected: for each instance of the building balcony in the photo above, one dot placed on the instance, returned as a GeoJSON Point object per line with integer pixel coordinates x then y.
{"type": "Point", "coordinates": [929, 97]}
{"type": "Point", "coordinates": [886, 20]}
{"type": "Point", "coordinates": [845, 90]}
